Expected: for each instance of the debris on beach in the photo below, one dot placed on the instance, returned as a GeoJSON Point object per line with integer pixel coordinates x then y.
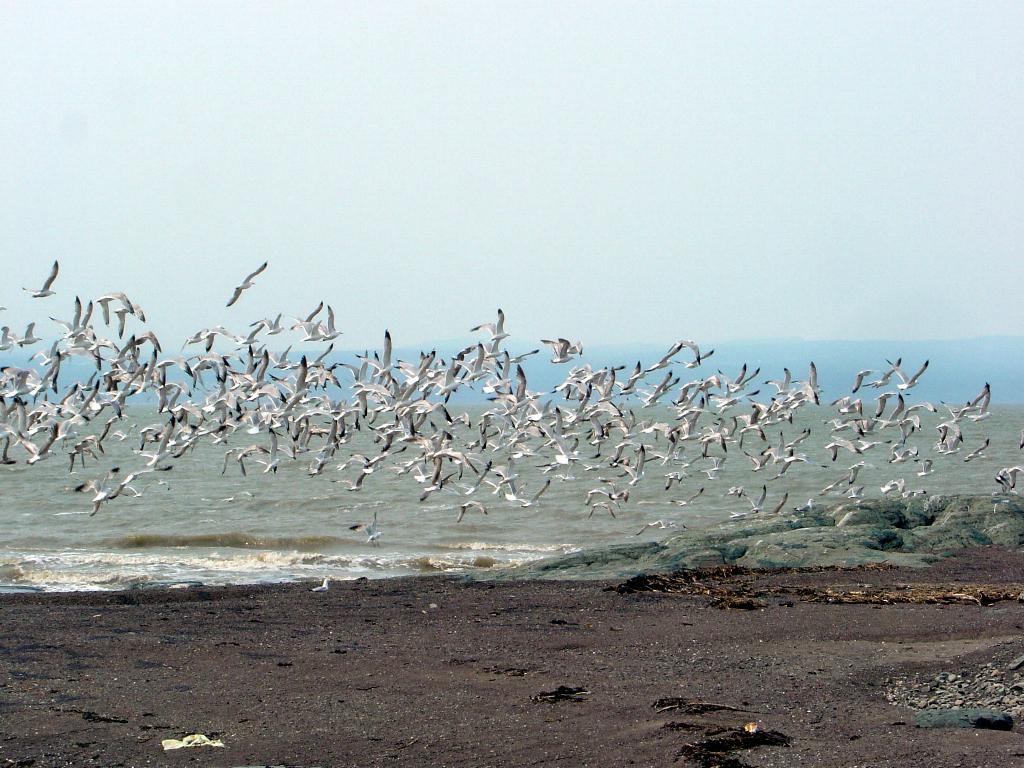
{"type": "Point", "coordinates": [703, 581]}
{"type": "Point", "coordinates": [192, 740]}
{"type": "Point", "coordinates": [682, 725]}
{"type": "Point", "coordinates": [690, 707]}
{"type": "Point", "coordinates": [561, 693]}
{"type": "Point", "coordinates": [737, 587]}
{"type": "Point", "coordinates": [507, 671]}
{"type": "Point", "coordinates": [714, 751]}
{"type": "Point", "coordinates": [738, 602]}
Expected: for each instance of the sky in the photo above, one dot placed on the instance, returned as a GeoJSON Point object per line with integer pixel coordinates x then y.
{"type": "Point", "coordinates": [611, 171]}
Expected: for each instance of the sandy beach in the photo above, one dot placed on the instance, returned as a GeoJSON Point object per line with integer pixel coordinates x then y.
{"type": "Point", "coordinates": [438, 671]}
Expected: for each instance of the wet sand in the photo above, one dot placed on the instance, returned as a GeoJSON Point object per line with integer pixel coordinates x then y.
{"type": "Point", "coordinates": [442, 672]}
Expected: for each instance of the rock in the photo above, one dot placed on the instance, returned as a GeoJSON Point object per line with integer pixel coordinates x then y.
{"type": "Point", "coordinates": [904, 532]}
{"type": "Point", "coordinates": [991, 719]}
{"type": "Point", "coordinates": [1016, 663]}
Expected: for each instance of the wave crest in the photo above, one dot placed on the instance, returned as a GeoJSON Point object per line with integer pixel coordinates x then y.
{"type": "Point", "coordinates": [233, 540]}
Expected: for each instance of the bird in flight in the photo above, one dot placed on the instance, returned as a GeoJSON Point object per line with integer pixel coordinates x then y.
{"type": "Point", "coordinates": [46, 289]}
{"type": "Point", "coordinates": [246, 284]}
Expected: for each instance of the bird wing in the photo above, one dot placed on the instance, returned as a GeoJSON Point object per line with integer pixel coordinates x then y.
{"type": "Point", "coordinates": [262, 267]}
{"type": "Point", "coordinates": [781, 504]}
{"type": "Point", "coordinates": [235, 295]}
{"type": "Point", "coordinates": [542, 489]}
{"type": "Point", "coordinates": [53, 275]}
{"type": "Point", "coordinates": [916, 376]}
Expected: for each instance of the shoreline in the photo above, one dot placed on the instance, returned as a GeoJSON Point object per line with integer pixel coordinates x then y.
{"type": "Point", "coordinates": [905, 532]}
{"type": "Point", "coordinates": [441, 670]}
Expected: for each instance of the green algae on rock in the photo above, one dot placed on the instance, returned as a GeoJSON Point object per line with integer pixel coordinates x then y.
{"type": "Point", "coordinates": [903, 532]}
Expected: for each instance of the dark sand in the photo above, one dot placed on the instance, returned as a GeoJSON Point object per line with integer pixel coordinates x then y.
{"type": "Point", "coordinates": [439, 672]}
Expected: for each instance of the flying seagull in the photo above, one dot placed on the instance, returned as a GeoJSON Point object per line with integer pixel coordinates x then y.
{"type": "Point", "coordinates": [246, 284]}
{"type": "Point", "coordinates": [45, 290]}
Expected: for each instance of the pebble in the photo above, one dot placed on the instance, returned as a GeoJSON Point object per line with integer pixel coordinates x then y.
{"type": "Point", "coordinates": [987, 687]}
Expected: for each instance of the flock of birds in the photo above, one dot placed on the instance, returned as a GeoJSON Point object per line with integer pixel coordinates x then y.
{"type": "Point", "coordinates": [267, 408]}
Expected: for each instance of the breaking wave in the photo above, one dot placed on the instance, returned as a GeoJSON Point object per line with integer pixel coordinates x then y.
{"type": "Point", "coordinates": [114, 570]}
{"type": "Point", "coordinates": [239, 540]}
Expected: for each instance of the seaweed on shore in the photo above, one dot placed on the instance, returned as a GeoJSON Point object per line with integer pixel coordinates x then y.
{"type": "Point", "coordinates": [670, 703]}
{"type": "Point", "coordinates": [735, 587]}
{"type": "Point", "coordinates": [701, 577]}
{"type": "Point", "coordinates": [561, 693]}
{"type": "Point", "coordinates": [714, 751]}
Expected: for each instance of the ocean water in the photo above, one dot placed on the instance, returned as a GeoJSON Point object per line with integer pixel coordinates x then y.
{"type": "Point", "coordinates": [196, 525]}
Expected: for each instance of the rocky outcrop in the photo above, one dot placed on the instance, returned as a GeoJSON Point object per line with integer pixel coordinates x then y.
{"type": "Point", "coordinates": [907, 532]}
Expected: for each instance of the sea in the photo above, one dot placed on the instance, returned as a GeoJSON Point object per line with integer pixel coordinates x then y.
{"type": "Point", "coordinates": [198, 525]}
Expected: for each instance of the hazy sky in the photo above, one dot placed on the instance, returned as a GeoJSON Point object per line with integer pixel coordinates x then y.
{"type": "Point", "coordinates": [609, 171]}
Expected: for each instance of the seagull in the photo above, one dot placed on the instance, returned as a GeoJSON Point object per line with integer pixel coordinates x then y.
{"type": "Point", "coordinates": [105, 489]}
{"type": "Point", "coordinates": [497, 330]}
{"type": "Point", "coordinates": [562, 349]}
{"type": "Point", "coordinates": [372, 531]}
{"type": "Point", "coordinates": [977, 451]}
{"type": "Point", "coordinates": [757, 506]}
{"type": "Point", "coordinates": [686, 502]}
{"type": "Point", "coordinates": [45, 290]}
{"type": "Point", "coordinates": [466, 506]}
{"type": "Point", "coordinates": [698, 357]}
{"type": "Point", "coordinates": [899, 485]}
{"type": "Point", "coordinates": [860, 379]}
{"type": "Point", "coordinates": [912, 381]}
{"type": "Point", "coordinates": [323, 587]}
{"type": "Point", "coordinates": [533, 500]}
{"type": "Point", "coordinates": [606, 505]}
{"type": "Point", "coordinates": [659, 524]}
{"type": "Point", "coordinates": [29, 338]}
{"type": "Point", "coordinates": [246, 284]}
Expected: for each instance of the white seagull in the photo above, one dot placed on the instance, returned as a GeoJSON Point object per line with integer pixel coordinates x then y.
{"type": "Point", "coordinates": [372, 531]}
{"type": "Point", "coordinates": [246, 284]}
{"type": "Point", "coordinates": [466, 506]}
{"type": "Point", "coordinates": [45, 290]}
{"type": "Point", "coordinates": [562, 350]}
